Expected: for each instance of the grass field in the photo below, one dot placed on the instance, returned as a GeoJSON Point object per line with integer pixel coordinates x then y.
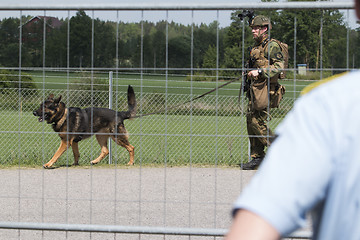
{"type": "Point", "coordinates": [152, 83]}
{"type": "Point", "coordinates": [213, 132]}
{"type": "Point", "coordinates": [159, 139]}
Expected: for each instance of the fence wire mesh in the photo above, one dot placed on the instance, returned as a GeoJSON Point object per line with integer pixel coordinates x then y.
{"type": "Point", "coordinates": [187, 154]}
{"type": "Point", "coordinates": [216, 125]}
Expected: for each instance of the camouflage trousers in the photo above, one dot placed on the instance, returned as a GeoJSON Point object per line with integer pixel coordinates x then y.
{"type": "Point", "coordinates": [260, 135]}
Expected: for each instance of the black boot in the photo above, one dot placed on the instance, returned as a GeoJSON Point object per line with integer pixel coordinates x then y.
{"type": "Point", "coordinates": [253, 164]}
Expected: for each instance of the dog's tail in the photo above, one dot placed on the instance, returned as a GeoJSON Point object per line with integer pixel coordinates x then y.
{"type": "Point", "coordinates": [131, 103]}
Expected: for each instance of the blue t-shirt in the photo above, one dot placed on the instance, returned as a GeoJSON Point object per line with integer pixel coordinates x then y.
{"type": "Point", "coordinates": [313, 165]}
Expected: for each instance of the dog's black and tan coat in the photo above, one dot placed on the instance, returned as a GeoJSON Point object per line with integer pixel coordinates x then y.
{"type": "Point", "coordinates": [75, 124]}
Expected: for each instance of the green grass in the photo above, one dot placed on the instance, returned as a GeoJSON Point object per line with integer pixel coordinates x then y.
{"type": "Point", "coordinates": [150, 83]}
{"type": "Point", "coordinates": [207, 136]}
{"type": "Point", "coordinates": [159, 139]}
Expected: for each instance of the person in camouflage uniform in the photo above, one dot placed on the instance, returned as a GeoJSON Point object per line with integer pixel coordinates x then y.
{"type": "Point", "coordinates": [267, 62]}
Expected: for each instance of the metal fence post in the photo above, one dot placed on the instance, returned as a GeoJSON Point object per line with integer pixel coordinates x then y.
{"type": "Point", "coordinates": [110, 107]}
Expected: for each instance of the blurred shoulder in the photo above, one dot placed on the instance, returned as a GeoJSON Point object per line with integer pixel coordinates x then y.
{"type": "Point", "coordinates": [335, 80]}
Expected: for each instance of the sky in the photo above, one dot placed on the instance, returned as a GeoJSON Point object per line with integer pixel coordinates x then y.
{"type": "Point", "coordinates": [184, 17]}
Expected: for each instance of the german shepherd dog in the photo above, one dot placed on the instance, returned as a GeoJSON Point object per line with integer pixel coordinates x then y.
{"type": "Point", "coordinates": [75, 124]}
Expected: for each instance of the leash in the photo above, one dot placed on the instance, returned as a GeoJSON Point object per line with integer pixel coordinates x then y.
{"type": "Point", "coordinates": [191, 100]}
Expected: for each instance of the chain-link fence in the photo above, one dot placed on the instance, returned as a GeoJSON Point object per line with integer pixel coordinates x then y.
{"type": "Point", "coordinates": [213, 127]}
{"type": "Point", "coordinates": [202, 141]}
{"type": "Point", "coordinates": [187, 152]}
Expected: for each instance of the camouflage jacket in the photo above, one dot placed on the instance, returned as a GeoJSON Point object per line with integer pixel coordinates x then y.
{"type": "Point", "coordinates": [265, 52]}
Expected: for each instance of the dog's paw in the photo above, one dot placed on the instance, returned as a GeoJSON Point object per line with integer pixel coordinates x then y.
{"type": "Point", "coordinates": [47, 166]}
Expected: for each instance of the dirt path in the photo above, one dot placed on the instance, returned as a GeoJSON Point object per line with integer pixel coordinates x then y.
{"type": "Point", "coordinates": [171, 197]}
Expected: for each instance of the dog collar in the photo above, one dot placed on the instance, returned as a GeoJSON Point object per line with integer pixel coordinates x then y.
{"type": "Point", "coordinates": [62, 119]}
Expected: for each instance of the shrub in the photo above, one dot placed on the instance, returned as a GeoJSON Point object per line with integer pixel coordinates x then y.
{"type": "Point", "coordinates": [10, 80]}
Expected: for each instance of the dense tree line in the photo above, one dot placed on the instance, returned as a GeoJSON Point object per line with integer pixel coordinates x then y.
{"type": "Point", "coordinates": [85, 42]}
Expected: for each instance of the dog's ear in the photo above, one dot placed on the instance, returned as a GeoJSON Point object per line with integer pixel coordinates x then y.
{"type": "Point", "coordinates": [51, 97]}
{"type": "Point", "coordinates": [57, 100]}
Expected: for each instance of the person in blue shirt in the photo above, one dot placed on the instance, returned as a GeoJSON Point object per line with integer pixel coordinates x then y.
{"type": "Point", "coordinates": [312, 166]}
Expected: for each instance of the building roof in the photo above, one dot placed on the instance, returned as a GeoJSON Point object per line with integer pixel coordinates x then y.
{"type": "Point", "coordinates": [52, 22]}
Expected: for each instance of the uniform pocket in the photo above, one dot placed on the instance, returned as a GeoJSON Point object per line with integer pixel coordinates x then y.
{"type": "Point", "coordinates": [276, 95]}
{"type": "Point", "coordinates": [259, 95]}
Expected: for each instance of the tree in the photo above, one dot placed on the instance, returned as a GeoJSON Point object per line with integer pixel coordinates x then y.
{"type": "Point", "coordinates": [210, 60]}
{"type": "Point", "coordinates": [104, 45]}
{"type": "Point", "coordinates": [56, 46]}
{"type": "Point", "coordinates": [159, 48]}
{"type": "Point", "coordinates": [177, 40]}
{"type": "Point", "coordinates": [180, 52]}
{"type": "Point", "coordinates": [9, 42]}
{"type": "Point", "coordinates": [80, 40]}
{"type": "Point", "coordinates": [308, 35]}
{"type": "Point", "coordinates": [355, 48]}
{"type": "Point", "coordinates": [232, 60]}
{"type": "Point", "coordinates": [233, 39]}
{"type": "Point", "coordinates": [204, 37]}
